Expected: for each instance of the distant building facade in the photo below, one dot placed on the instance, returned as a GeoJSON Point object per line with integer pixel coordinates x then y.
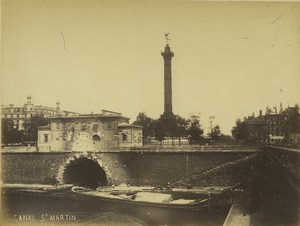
{"type": "Point", "coordinates": [90, 132]}
{"type": "Point", "coordinates": [19, 114]}
{"type": "Point", "coordinates": [273, 127]}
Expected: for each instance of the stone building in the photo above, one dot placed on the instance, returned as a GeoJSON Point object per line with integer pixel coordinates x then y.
{"type": "Point", "coordinates": [90, 132]}
{"type": "Point", "coordinates": [255, 131]}
{"type": "Point", "coordinates": [19, 114]}
{"type": "Point", "coordinates": [273, 127]}
{"type": "Point", "coordinates": [44, 137]}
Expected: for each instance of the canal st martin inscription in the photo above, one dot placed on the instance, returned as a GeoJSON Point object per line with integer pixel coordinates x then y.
{"type": "Point", "coordinates": [45, 217]}
{"type": "Point", "coordinates": [123, 167]}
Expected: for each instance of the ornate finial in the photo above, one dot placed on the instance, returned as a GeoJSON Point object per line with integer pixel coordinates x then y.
{"type": "Point", "coordinates": [167, 39]}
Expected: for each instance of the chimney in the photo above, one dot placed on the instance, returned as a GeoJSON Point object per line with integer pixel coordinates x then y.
{"type": "Point", "coordinates": [253, 115]}
{"type": "Point", "coordinates": [57, 105]}
{"type": "Point", "coordinates": [28, 99]}
{"type": "Point", "coordinates": [260, 113]}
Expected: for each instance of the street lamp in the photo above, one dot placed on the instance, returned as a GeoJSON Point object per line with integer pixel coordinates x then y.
{"type": "Point", "coordinates": [211, 118]}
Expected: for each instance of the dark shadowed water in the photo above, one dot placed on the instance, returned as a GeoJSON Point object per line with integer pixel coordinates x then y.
{"type": "Point", "coordinates": [68, 207]}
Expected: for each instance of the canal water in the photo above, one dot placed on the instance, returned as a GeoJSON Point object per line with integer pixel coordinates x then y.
{"type": "Point", "coordinates": [28, 208]}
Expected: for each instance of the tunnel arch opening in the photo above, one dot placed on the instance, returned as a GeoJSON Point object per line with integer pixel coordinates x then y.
{"type": "Point", "coordinates": [96, 137]}
{"type": "Point", "coordinates": [85, 172]}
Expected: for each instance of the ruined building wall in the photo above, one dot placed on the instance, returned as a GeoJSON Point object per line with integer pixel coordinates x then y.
{"type": "Point", "coordinates": [84, 135]}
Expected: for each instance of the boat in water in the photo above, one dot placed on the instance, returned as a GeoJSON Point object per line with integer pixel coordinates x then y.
{"type": "Point", "coordinates": [36, 188]}
{"type": "Point", "coordinates": [142, 197]}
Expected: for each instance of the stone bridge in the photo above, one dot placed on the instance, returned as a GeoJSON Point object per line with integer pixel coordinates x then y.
{"type": "Point", "coordinates": [142, 167]}
{"type": "Point", "coordinates": [113, 167]}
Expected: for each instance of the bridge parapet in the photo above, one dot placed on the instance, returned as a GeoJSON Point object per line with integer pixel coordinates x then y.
{"type": "Point", "coordinates": [288, 161]}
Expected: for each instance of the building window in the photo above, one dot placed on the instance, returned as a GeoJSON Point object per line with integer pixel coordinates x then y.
{"type": "Point", "coordinates": [65, 135]}
{"type": "Point", "coordinates": [57, 125]}
{"type": "Point", "coordinates": [124, 137]}
{"type": "Point", "coordinates": [96, 137]}
{"type": "Point", "coordinates": [46, 138]}
{"type": "Point", "coordinates": [95, 128]}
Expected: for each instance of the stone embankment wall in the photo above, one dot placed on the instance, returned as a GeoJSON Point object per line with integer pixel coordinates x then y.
{"type": "Point", "coordinates": [271, 197]}
{"type": "Point", "coordinates": [288, 161]}
{"type": "Point", "coordinates": [135, 167]}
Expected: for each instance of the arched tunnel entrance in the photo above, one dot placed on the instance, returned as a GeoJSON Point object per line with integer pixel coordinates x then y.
{"type": "Point", "coordinates": [84, 172]}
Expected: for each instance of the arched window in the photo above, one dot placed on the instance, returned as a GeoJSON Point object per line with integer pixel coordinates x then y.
{"type": "Point", "coordinates": [124, 136]}
{"type": "Point", "coordinates": [96, 137]}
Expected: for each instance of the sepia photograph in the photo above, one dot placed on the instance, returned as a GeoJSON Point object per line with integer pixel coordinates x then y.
{"type": "Point", "coordinates": [150, 113]}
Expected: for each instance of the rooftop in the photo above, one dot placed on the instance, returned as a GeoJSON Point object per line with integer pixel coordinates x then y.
{"type": "Point", "coordinates": [82, 116]}
{"type": "Point", "coordinates": [126, 125]}
{"type": "Point", "coordinates": [44, 127]}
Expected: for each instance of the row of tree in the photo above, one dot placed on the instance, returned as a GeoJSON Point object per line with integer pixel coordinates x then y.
{"type": "Point", "coordinates": [12, 134]}
{"type": "Point", "coordinates": [177, 127]}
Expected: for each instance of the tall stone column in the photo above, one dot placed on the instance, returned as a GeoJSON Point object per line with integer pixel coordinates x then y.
{"type": "Point", "coordinates": [167, 55]}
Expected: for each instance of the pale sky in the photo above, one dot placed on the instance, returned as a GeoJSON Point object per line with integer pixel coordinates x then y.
{"type": "Point", "coordinates": [231, 59]}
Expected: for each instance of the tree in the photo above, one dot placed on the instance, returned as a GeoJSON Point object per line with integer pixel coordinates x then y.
{"type": "Point", "coordinates": [215, 133]}
{"type": "Point", "coordinates": [239, 131]}
{"type": "Point", "coordinates": [292, 119]}
{"type": "Point", "coordinates": [194, 130]}
{"type": "Point", "coordinates": [291, 125]}
{"type": "Point", "coordinates": [148, 125]}
{"type": "Point", "coordinates": [10, 133]}
{"type": "Point", "coordinates": [226, 139]}
{"type": "Point", "coordinates": [173, 127]}
{"type": "Point", "coordinates": [181, 128]}
{"type": "Point", "coordinates": [30, 127]}
{"type": "Point", "coordinates": [159, 129]}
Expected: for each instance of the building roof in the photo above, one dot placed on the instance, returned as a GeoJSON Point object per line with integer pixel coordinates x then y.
{"type": "Point", "coordinates": [70, 112]}
{"type": "Point", "coordinates": [84, 116]}
{"type": "Point", "coordinates": [126, 125]}
{"type": "Point", "coordinates": [46, 127]}
{"type": "Point", "coordinates": [11, 106]}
